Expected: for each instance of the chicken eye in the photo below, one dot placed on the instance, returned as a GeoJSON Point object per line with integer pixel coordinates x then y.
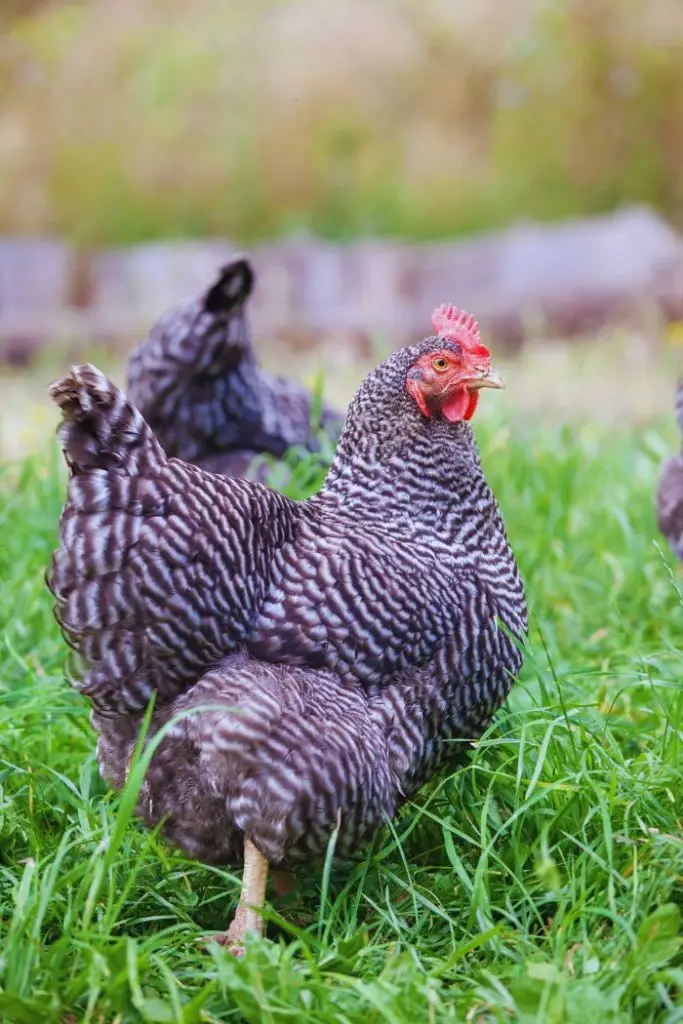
{"type": "Point", "coordinates": [439, 363]}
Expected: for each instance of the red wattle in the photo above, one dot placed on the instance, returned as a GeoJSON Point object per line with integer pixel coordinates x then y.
{"type": "Point", "coordinates": [460, 405]}
{"type": "Point", "coordinates": [474, 398]}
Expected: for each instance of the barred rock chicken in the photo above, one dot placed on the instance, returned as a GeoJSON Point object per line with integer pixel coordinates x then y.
{"type": "Point", "coordinates": [334, 650]}
{"type": "Point", "coordinates": [196, 381]}
{"type": "Point", "coordinates": [670, 490]}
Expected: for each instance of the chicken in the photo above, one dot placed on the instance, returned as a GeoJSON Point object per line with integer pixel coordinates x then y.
{"type": "Point", "coordinates": [670, 490]}
{"type": "Point", "coordinates": [324, 656]}
{"type": "Point", "coordinates": [196, 381]}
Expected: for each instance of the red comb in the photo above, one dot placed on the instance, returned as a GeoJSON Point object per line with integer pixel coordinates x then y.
{"type": "Point", "coordinates": [450, 322]}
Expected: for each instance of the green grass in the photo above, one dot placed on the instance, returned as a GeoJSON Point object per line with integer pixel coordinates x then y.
{"type": "Point", "coordinates": [540, 882]}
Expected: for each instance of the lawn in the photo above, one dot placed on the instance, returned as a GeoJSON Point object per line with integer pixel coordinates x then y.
{"type": "Point", "coordinates": [543, 881]}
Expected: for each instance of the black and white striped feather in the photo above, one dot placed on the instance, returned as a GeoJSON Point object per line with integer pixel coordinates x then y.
{"type": "Point", "coordinates": [349, 641]}
{"type": "Point", "coordinates": [196, 381]}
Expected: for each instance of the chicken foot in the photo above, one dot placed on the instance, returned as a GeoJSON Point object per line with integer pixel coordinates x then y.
{"type": "Point", "coordinates": [247, 917]}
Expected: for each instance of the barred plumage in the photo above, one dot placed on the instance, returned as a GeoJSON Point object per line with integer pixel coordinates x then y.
{"type": "Point", "coordinates": [196, 381]}
{"type": "Point", "coordinates": [342, 643]}
{"type": "Point", "coordinates": [670, 490]}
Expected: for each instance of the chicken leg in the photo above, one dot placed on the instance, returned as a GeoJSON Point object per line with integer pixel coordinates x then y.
{"type": "Point", "coordinates": [247, 917]}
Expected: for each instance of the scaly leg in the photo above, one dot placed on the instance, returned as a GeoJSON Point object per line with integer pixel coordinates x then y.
{"type": "Point", "coordinates": [252, 896]}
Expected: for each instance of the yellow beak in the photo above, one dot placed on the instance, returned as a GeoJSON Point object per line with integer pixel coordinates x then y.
{"type": "Point", "coordinates": [489, 379]}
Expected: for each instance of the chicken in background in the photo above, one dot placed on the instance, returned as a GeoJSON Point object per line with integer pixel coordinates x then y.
{"type": "Point", "coordinates": [670, 490]}
{"type": "Point", "coordinates": [196, 381]}
{"type": "Point", "coordinates": [336, 651]}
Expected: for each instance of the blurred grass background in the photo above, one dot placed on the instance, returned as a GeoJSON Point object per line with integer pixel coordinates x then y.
{"type": "Point", "coordinates": [123, 120]}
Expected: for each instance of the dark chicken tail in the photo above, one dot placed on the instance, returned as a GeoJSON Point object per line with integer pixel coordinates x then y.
{"type": "Point", "coordinates": [158, 566]}
{"type": "Point", "coordinates": [232, 287]}
{"type": "Point", "coordinates": [194, 377]}
{"type": "Point", "coordinates": [100, 428]}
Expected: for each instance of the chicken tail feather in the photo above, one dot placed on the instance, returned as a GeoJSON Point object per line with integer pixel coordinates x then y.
{"type": "Point", "coordinates": [100, 428]}
{"type": "Point", "coordinates": [159, 566]}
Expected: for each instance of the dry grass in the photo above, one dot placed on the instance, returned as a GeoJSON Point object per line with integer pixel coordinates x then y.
{"type": "Point", "coordinates": [614, 378]}
{"type": "Point", "coordinates": [125, 119]}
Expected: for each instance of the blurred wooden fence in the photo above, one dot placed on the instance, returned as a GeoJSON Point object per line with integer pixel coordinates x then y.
{"type": "Point", "coordinates": [558, 279]}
